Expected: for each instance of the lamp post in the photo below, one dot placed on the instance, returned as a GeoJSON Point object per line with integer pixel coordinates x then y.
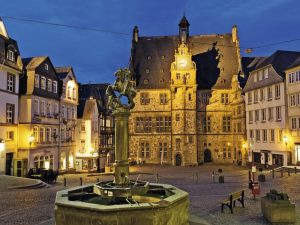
{"type": "Point", "coordinates": [285, 140]}
{"type": "Point", "coordinates": [30, 140]}
{"type": "Point", "coordinates": [245, 151]}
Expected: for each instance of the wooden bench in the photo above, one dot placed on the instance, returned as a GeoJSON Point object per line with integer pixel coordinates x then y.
{"type": "Point", "coordinates": [230, 200]}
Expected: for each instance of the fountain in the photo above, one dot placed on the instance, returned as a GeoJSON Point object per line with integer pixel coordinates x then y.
{"type": "Point", "coordinates": [122, 201]}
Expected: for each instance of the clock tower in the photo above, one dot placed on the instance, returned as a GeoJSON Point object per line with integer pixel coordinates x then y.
{"type": "Point", "coordinates": [184, 92]}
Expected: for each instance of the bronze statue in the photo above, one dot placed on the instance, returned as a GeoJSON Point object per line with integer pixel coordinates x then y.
{"type": "Point", "coordinates": [124, 87]}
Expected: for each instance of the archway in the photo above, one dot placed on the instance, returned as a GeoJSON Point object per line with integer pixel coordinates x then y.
{"type": "Point", "coordinates": [207, 155]}
{"type": "Point", "coordinates": [178, 160]}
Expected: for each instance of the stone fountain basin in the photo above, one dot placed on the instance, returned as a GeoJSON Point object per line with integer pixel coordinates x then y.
{"type": "Point", "coordinates": [150, 210]}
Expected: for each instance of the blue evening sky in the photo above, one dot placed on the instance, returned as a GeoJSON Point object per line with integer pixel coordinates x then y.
{"type": "Point", "coordinates": [96, 56]}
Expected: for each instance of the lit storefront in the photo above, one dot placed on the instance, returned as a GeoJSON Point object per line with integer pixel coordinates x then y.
{"type": "Point", "coordinates": [86, 162]}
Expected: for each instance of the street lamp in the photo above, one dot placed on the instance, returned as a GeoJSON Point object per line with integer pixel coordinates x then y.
{"type": "Point", "coordinates": [285, 139]}
{"type": "Point", "coordinates": [30, 140]}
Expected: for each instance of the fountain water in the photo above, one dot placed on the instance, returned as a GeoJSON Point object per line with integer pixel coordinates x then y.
{"type": "Point", "coordinates": [122, 201]}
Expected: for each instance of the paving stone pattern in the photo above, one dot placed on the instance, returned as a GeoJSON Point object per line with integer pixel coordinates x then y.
{"type": "Point", "coordinates": [36, 206]}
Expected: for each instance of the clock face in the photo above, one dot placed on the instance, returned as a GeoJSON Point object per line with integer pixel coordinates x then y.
{"type": "Point", "coordinates": [183, 62]}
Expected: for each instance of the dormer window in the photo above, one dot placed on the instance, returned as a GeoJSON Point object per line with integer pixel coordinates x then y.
{"type": "Point", "coordinates": [43, 83]}
{"type": "Point", "coordinates": [50, 85]}
{"type": "Point", "coordinates": [10, 55]}
{"type": "Point", "coordinates": [149, 57]}
{"type": "Point", "coordinates": [147, 71]}
{"type": "Point", "coordinates": [162, 57]}
{"type": "Point", "coordinates": [146, 81]}
{"type": "Point", "coordinates": [46, 66]}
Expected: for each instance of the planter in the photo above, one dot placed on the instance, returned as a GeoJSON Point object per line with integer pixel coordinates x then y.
{"type": "Point", "coordinates": [278, 211]}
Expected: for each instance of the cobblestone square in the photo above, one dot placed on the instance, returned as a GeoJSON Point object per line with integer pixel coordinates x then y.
{"type": "Point", "coordinates": [36, 206]}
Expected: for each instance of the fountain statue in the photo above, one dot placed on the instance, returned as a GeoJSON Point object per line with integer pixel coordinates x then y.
{"type": "Point", "coordinates": [122, 201]}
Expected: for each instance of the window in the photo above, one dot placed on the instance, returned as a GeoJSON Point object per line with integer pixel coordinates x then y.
{"type": "Point", "coordinates": [205, 98]}
{"type": "Point", "coordinates": [163, 98]}
{"type": "Point", "coordinates": [256, 115]}
{"type": "Point", "coordinates": [224, 98]}
{"type": "Point", "coordinates": [48, 109]}
{"type": "Point", "coordinates": [10, 113]}
{"type": "Point", "coordinates": [257, 135]}
{"type": "Point", "coordinates": [292, 100]}
{"type": "Point", "coordinates": [239, 110]}
{"type": "Point", "coordinates": [55, 87]}
{"type": "Point", "coordinates": [82, 145]}
{"type": "Point", "coordinates": [266, 73]}
{"type": "Point", "coordinates": [46, 66]}
{"type": "Point", "coordinates": [50, 85]}
{"type": "Point", "coordinates": [279, 135]}
{"type": "Point", "coordinates": [262, 95]}
{"type": "Point", "coordinates": [42, 108]}
{"type": "Point", "coordinates": [36, 81]}
{"type": "Point", "coordinates": [178, 76]}
{"type": "Point", "coordinates": [278, 113]}
{"type": "Point", "coordinates": [251, 134]}
{"type": "Point", "coordinates": [48, 135]}
{"type": "Point", "coordinates": [55, 109]}
{"type": "Point", "coordinates": [229, 153]}
{"type": "Point", "coordinates": [208, 124]}
{"type": "Point", "coordinates": [190, 97]}
{"type": "Point", "coordinates": [255, 77]}
{"type": "Point", "coordinates": [10, 135]}
{"type": "Point", "coordinates": [43, 83]}
{"type": "Point", "coordinates": [270, 95]}
{"type": "Point", "coordinates": [224, 153]}
{"type": "Point", "coordinates": [177, 117]}
{"type": "Point", "coordinates": [145, 149]}
{"type": "Point", "coordinates": [294, 123]}
{"type": "Point", "coordinates": [42, 135]}
{"type": "Point", "coordinates": [69, 92]}
{"type": "Point", "coordinates": [36, 105]}
{"type": "Point", "coordinates": [277, 91]}
{"type": "Point", "coordinates": [10, 55]}
{"type": "Point", "coordinates": [163, 124]}
{"type": "Point", "coordinates": [272, 135]}
{"type": "Point", "coordinates": [260, 75]}
{"type": "Point", "coordinates": [147, 70]}
{"type": "Point", "coordinates": [146, 81]}
{"type": "Point", "coordinates": [36, 134]}
{"type": "Point", "coordinates": [226, 124]}
{"type": "Point", "coordinates": [249, 97]}
{"type": "Point", "coordinates": [144, 100]}
{"type": "Point", "coordinates": [265, 135]}
{"type": "Point", "coordinates": [255, 96]}
{"type": "Point", "coordinates": [239, 127]}
{"type": "Point", "coordinates": [54, 135]}
{"type": "Point", "coordinates": [163, 150]}
{"type": "Point", "coordinates": [264, 115]}
{"type": "Point", "coordinates": [250, 116]}
{"type": "Point", "coordinates": [74, 93]}
{"type": "Point", "coordinates": [270, 112]}
{"type": "Point", "coordinates": [11, 82]}
{"type": "Point", "coordinates": [144, 124]}
{"type": "Point", "coordinates": [68, 113]}
{"type": "Point", "coordinates": [73, 114]}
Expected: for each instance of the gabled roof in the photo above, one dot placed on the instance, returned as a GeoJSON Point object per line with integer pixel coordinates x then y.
{"type": "Point", "coordinates": [97, 91]}
{"type": "Point", "coordinates": [33, 62]}
{"type": "Point", "coordinates": [294, 64]}
{"type": "Point", "coordinates": [184, 22]}
{"type": "Point", "coordinates": [280, 60]}
{"type": "Point", "coordinates": [214, 55]}
{"type": "Point", "coordinates": [63, 71]}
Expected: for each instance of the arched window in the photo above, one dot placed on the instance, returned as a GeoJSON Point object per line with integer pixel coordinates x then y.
{"type": "Point", "coordinates": [42, 162]}
{"type": "Point", "coordinates": [36, 162]}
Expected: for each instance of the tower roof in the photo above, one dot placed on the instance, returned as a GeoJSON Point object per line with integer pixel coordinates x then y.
{"type": "Point", "coordinates": [184, 22]}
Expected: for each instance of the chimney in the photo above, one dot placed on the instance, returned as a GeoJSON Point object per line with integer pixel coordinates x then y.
{"type": "Point", "coordinates": [235, 36]}
{"type": "Point", "coordinates": [135, 34]}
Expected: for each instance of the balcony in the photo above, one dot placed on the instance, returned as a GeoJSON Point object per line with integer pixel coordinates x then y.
{"type": "Point", "coordinates": [107, 130]}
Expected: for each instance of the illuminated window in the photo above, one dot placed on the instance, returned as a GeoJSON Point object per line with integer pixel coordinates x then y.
{"type": "Point", "coordinates": [36, 107]}
{"type": "Point", "coordinates": [11, 82]}
{"type": "Point", "coordinates": [50, 85]}
{"type": "Point", "coordinates": [36, 133]}
{"type": "Point", "coordinates": [10, 55]}
{"type": "Point", "coordinates": [42, 135]}
{"type": "Point", "coordinates": [48, 135]}
{"type": "Point", "coordinates": [145, 149]}
{"type": "Point", "coordinates": [10, 113]}
{"type": "Point", "coordinates": [43, 83]}
{"type": "Point", "coordinates": [163, 98]}
{"type": "Point", "coordinates": [46, 66]}
{"type": "Point", "coordinates": [144, 99]}
{"type": "Point", "coordinates": [55, 86]}
{"type": "Point", "coordinates": [163, 149]}
{"type": "Point", "coordinates": [36, 81]}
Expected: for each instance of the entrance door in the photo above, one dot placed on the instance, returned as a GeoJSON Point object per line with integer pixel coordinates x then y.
{"type": "Point", "coordinates": [8, 164]}
{"type": "Point", "coordinates": [19, 168]}
{"type": "Point", "coordinates": [207, 155]}
{"type": "Point", "coordinates": [178, 160]}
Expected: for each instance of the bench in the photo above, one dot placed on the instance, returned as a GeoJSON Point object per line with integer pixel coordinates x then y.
{"type": "Point", "coordinates": [232, 197]}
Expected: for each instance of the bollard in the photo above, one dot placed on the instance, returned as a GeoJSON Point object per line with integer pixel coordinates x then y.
{"type": "Point", "coordinates": [273, 173]}
{"type": "Point", "coordinates": [249, 174]}
{"type": "Point", "coordinates": [65, 182]}
{"type": "Point", "coordinates": [295, 170]}
{"type": "Point", "coordinates": [98, 180]}
{"type": "Point", "coordinates": [213, 176]}
{"type": "Point", "coordinates": [197, 176]}
{"type": "Point", "coordinates": [288, 172]}
{"type": "Point", "coordinates": [80, 181]}
{"type": "Point", "coordinates": [281, 172]}
{"type": "Point", "coordinates": [156, 178]}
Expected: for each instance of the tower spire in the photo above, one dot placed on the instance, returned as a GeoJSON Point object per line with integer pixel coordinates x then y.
{"type": "Point", "coordinates": [184, 29]}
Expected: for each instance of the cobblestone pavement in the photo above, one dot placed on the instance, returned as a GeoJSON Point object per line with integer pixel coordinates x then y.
{"type": "Point", "coordinates": [36, 206]}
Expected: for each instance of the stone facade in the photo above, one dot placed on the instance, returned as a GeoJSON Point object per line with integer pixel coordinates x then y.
{"type": "Point", "coordinates": [167, 123]}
